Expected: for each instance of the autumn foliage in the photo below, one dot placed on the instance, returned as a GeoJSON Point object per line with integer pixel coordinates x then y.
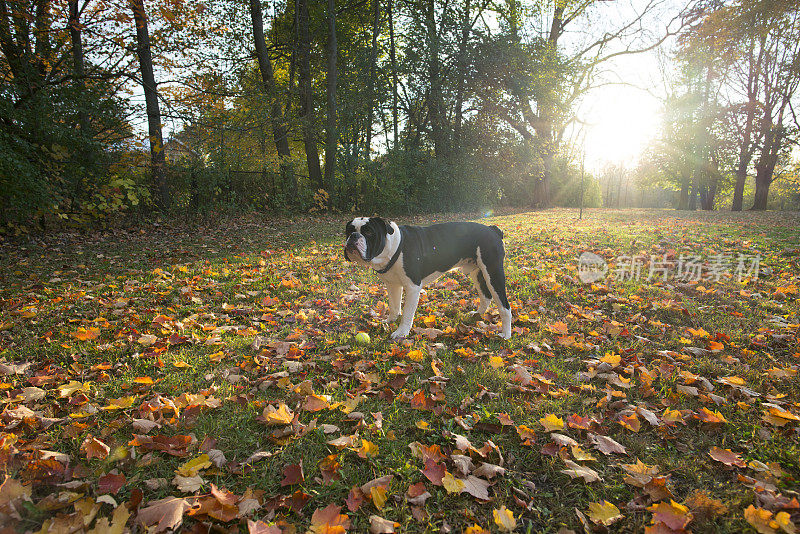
{"type": "Point", "coordinates": [167, 379]}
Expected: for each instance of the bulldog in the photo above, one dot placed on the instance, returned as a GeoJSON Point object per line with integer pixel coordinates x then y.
{"type": "Point", "coordinates": [408, 258]}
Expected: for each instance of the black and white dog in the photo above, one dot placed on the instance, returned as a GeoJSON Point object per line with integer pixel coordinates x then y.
{"type": "Point", "coordinates": [411, 257]}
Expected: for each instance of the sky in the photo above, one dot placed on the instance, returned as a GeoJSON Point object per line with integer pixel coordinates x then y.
{"type": "Point", "coordinates": [617, 119]}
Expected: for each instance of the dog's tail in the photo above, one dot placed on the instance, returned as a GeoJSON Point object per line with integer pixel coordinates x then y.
{"type": "Point", "coordinates": [498, 230]}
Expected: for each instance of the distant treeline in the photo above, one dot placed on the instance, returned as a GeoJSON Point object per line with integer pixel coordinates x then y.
{"type": "Point", "coordinates": [390, 105]}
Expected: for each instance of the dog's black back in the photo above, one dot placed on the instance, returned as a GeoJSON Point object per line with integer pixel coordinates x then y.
{"type": "Point", "coordinates": [453, 242]}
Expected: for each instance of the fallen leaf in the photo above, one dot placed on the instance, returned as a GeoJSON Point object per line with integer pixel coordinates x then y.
{"type": "Point", "coordinates": [328, 520]}
{"type": "Point", "coordinates": [579, 471]}
{"type": "Point", "coordinates": [504, 519]}
{"type": "Point", "coordinates": [604, 513]}
{"type": "Point", "coordinates": [379, 525]}
{"type": "Point", "coordinates": [726, 456]}
{"type": "Point", "coordinates": [163, 514]}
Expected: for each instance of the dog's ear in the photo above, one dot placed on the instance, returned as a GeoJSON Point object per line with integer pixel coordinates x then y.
{"type": "Point", "coordinates": [386, 225]}
{"type": "Point", "coordinates": [348, 228]}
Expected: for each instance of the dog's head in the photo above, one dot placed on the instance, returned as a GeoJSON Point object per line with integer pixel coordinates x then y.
{"type": "Point", "coordinates": [366, 238]}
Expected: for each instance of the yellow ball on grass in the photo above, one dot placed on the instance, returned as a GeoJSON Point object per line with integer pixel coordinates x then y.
{"type": "Point", "coordinates": [362, 338]}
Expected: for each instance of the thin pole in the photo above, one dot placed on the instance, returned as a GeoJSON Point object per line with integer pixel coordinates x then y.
{"type": "Point", "coordinates": [583, 159]}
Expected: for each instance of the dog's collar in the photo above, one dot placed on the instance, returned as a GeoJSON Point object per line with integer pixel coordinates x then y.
{"type": "Point", "coordinates": [394, 258]}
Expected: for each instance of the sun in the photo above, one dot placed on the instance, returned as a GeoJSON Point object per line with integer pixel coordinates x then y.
{"type": "Point", "coordinates": [620, 122]}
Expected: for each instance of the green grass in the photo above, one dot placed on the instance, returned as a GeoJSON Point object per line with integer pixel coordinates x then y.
{"type": "Point", "coordinates": [212, 281]}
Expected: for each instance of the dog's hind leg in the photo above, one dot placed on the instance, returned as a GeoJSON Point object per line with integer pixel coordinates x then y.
{"type": "Point", "coordinates": [483, 290]}
{"type": "Point", "coordinates": [493, 273]}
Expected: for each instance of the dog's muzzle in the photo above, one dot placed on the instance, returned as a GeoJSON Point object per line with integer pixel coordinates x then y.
{"type": "Point", "coordinates": [351, 247]}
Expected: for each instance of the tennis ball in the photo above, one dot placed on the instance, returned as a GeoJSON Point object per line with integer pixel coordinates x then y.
{"type": "Point", "coordinates": [362, 338]}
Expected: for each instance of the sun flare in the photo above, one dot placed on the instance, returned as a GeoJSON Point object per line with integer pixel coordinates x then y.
{"type": "Point", "coordinates": [621, 122]}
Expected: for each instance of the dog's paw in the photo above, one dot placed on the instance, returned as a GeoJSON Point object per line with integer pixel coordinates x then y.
{"type": "Point", "coordinates": [506, 335]}
{"type": "Point", "coordinates": [400, 333]}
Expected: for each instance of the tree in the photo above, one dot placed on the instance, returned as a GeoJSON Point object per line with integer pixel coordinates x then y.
{"type": "Point", "coordinates": [331, 136]}
{"type": "Point", "coordinates": [279, 128]}
{"type": "Point", "coordinates": [150, 89]}
{"type": "Point", "coordinates": [544, 77]}
{"type": "Point", "coordinates": [376, 7]}
{"type": "Point", "coordinates": [307, 116]}
{"type": "Point", "coordinates": [755, 42]}
{"type": "Point", "coordinates": [62, 119]}
{"type": "Point", "coordinates": [780, 78]}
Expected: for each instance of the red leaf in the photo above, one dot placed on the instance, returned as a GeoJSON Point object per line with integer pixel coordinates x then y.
{"type": "Point", "coordinates": [354, 499]}
{"type": "Point", "coordinates": [110, 483]}
{"type": "Point", "coordinates": [434, 472]}
{"type": "Point", "coordinates": [293, 474]}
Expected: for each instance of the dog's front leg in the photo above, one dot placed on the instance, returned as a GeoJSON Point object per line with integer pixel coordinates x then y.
{"type": "Point", "coordinates": [409, 309]}
{"type": "Point", "coordinates": [395, 296]}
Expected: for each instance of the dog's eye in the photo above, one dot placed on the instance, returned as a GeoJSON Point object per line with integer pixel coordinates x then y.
{"type": "Point", "coordinates": [367, 231]}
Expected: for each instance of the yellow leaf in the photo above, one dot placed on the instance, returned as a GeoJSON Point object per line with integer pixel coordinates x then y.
{"type": "Point", "coordinates": [698, 333]}
{"type": "Point", "coordinates": [783, 414]}
{"type": "Point", "coordinates": [117, 524]}
{"type": "Point", "coordinates": [612, 359]}
{"type": "Point", "coordinates": [121, 403]}
{"type": "Point", "coordinates": [504, 519]}
{"type": "Point", "coordinates": [604, 513]}
{"type": "Point", "coordinates": [784, 521]}
{"type": "Point", "coordinates": [416, 355]}
{"type": "Point", "coordinates": [349, 405]}
{"type": "Point", "coordinates": [451, 483]}
{"type": "Point", "coordinates": [66, 390]}
{"type": "Point", "coordinates": [551, 422]}
{"type": "Point", "coordinates": [761, 520]}
{"type": "Point", "coordinates": [367, 449]}
{"type": "Point", "coordinates": [496, 362]}
{"type": "Point", "coordinates": [277, 416]}
{"type": "Point", "coordinates": [378, 494]}
{"type": "Point", "coordinates": [194, 466]}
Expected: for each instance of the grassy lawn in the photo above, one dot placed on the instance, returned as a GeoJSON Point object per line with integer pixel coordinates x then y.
{"type": "Point", "coordinates": [209, 374]}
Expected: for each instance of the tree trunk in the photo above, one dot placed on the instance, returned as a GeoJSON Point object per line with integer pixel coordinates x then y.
{"type": "Point", "coordinates": [462, 74]}
{"type": "Point", "coordinates": [331, 137]}
{"type": "Point", "coordinates": [683, 200]}
{"type": "Point", "coordinates": [746, 145]}
{"type": "Point", "coordinates": [371, 81]}
{"type": "Point", "coordinates": [393, 61]}
{"type": "Point", "coordinates": [695, 191]}
{"type": "Point", "coordinates": [763, 181]}
{"type": "Point", "coordinates": [279, 128]}
{"type": "Point", "coordinates": [745, 156]}
{"type": "Point", "coordinates": [307, 100]}
{"type": "Point", "coordinates": [77, 44]}
{"type": "Point", "coordinates": [546, 117]}
{"type": "Point", "coordinates": [77, 61]}
{"type": "Point", "coordinates": [765, 169]}
{"type": "Point", "coordinates": [150, 88]}
{"type": "Point", "coordinates": [435, 102]}
{"type": "Point", "coordinates": [738, 188]}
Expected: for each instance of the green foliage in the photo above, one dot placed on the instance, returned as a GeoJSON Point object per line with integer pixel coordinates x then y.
{"type": "Point", "coordinates": [566, 187]}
